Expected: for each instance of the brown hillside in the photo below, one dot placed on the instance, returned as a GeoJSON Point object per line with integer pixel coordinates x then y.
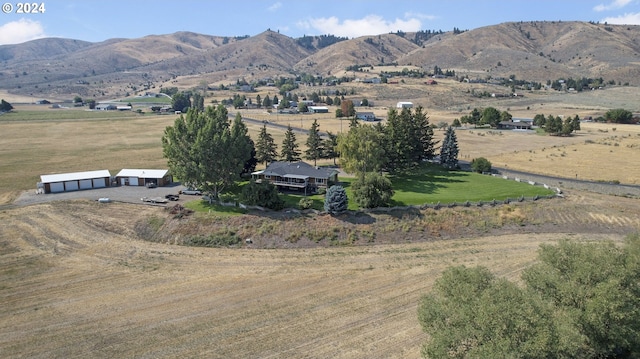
{"type": "Point", "coordinates": [538, 51]}
{"type": "Point", "coordinates": [371, 50]}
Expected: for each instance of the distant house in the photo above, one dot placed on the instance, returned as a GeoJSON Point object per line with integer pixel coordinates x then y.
{"type": "Point", "coordinates": [143, 177]}
{"type": "Point", "coordinates": [43, 102]}
{"type": "Point", "coordinates": [299, 176]}
{"type": "Point", "coordinates": [123, 108]}
{"type": "Point", "coordinates": [366, 116]}
{"type": "Point", "coordinates": [514, 125]}
{"type": "Point", "coordinates": [106, 107]}
{"type": "Point", "coordinates": [404, 104]}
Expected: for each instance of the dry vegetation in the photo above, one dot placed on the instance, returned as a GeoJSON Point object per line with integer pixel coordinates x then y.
{"type": "Point", "coordinates": [93, 288]}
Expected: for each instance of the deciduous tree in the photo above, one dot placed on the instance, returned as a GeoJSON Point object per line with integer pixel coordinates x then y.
{"type": "Point", "coordinates": [199, 151]}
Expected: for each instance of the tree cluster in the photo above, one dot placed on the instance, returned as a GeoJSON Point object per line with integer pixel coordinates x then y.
{"type": "Point", "coordinates": [554, 125]}
{"type": "Point", "coordinates": [581, 300]}
{"type": "Point", "coordinates": [404, 143]}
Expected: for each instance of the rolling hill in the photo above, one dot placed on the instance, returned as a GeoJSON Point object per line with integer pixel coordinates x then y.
{"type": "Point", "coordinates": [537, 51]}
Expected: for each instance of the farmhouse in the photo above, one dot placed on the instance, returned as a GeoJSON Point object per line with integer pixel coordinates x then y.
{"type": "Point", "coordinates": [366, 116]}
{"type": "Point", "coordinates": [65, 182]}
{"type": "Point", "coordinates": [297, 176]}
{"type": "Point", "coordinates": [514, 125]}
{"type": "Point", "coordinates": [143, 177]}
{"type": "Point", "coordinates": [404, 104]}
{"type": "Point", "coordinates": [106, 107]}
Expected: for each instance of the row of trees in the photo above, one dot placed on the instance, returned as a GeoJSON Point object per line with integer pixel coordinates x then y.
{"type": "Point", "coordinates": [556, 126]}
{"type": "Point", "coordinates": [487, 116]}
{"type": "Point", "coordinates": [580, 300]}
{"type": "Point", "coordinates": [317, 147]}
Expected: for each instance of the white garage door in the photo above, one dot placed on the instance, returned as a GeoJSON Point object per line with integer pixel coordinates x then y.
{"type": "Point", "coordinates": [99, 183]}
{"type": "Point", "coordinates": [56, 187]}
{"type": "Point", "coordinates": [71, 186]}
{"type": "Point", "coordinates": [86, 184]}
{"type": "Point", "coordinates": [133, 181]}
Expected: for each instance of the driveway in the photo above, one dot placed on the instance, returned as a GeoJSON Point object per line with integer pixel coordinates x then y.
{"type": "Point", "coordinates": [128, 194]}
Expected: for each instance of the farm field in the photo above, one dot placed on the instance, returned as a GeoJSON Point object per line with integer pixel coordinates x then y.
{"type": "Point", "coordinates": [95, 288]}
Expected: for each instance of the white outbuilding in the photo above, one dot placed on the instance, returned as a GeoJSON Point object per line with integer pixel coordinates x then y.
{"type": "Point", "coordinates": [74, 181]}
{"type": "Point", "coordinates": [143, 177]}
{"type": "Point", "coordinates": [404, 104]}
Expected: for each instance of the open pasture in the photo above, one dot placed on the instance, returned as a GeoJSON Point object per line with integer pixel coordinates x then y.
{"type": "Point", "coordinates": [37, 142]}
{"type": "Point", "coordinates": [92, 289]}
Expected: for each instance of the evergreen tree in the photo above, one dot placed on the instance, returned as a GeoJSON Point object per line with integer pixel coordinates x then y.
{"type": "Point", "coordinates": [314, 143]}
{"type": "Point", "coordinates": [335, 200]}
{"type": "Point", "coordinates": [5, 106]}
{"type": "Point", "coordinates": [290, 151]}
{"type": "Point", "coordinates": [242, 145]}
{"type": "Point", "coordinates": [330, 147]}
{"type": "Point", "coordinates": [266, 148]}
{"type": "Point", "coordinates": [266, 103]}
{"type": "Point", "coordinates": [449, 150]}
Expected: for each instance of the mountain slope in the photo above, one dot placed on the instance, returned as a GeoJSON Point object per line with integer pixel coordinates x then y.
{"type": "Point", "coordinates": [538, 51]}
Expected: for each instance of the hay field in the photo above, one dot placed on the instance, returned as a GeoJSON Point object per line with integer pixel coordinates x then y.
{"type": "Point", "coordinates": [92, 289]}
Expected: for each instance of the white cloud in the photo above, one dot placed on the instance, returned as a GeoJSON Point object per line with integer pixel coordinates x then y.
{"type": "Point", "coordinates": [626, 19]}
{"type": "Point", "coordinates": [16, 32]}
{"type": "Point", "coordinates": [410, 15]}
{"type": "Point", "coordinates": [615, 4]}
{"type": "Point", "coordinates": [275, 6]}
{"type": "Point", "coordinates": [368, 25]}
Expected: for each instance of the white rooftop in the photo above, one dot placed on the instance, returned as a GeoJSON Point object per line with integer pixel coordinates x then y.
{"type": "Point", "coordinates": [74, 176]}
{"type": "Point", "coordinates": [142, 173]}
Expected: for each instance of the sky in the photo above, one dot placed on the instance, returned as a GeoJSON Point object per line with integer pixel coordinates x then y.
{"type": "Point", "coordinates": [98, 21]}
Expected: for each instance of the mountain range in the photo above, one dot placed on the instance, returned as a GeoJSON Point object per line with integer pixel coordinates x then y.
{"type": "Point", "coordinates": [537, 51]}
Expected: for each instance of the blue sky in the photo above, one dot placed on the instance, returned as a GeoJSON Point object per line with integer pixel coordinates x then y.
{"type": "Point", "coordinates": [98, 21]}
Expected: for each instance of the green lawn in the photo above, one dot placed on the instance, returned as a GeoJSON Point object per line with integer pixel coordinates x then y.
{"type": "Point", "coordinates": [433, 184]}
{"type": "Point", "coordinates": [53, 114]}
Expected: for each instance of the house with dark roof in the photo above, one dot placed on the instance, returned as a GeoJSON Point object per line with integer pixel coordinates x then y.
{"type": "Point", "coordinates": [514, 125]}
{"type": "Point", "coordinates": [299, 176]}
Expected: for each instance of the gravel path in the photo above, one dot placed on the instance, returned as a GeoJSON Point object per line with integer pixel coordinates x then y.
{"type": "Point", "coordinates": [569, 183]}
{"type": "Point", "coordinates": [128, 194]}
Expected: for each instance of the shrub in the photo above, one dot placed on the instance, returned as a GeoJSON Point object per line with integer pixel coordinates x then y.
{"type": "Point", "coordinates": [372, 191]}
{"type": "Point", "coordinates": [480, 165]}
{"type": "Point", "coordinates": [305, 203]}
{"type": "Point", "coordinates": [336, 201]}
{"type": "Point", "coordinates": [262, 194]}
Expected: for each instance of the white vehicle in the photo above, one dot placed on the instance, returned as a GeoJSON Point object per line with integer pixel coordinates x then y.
{"type": "Point", "coordinates": [154, 200]}
{"type": "Point", "coordinates": [191, 191]}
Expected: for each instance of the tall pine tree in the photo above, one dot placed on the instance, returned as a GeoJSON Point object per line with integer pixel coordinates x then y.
{"type": "Point", "coordinates": [449, 150]}
{"type": "Point", "coordinates": [266, 148]}
{"type": "Point", "coordinates": [290, 152]}
{"type": "Point", "coordinates": [314, 143]}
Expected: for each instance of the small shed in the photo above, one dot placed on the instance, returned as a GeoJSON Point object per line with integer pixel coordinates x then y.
{"type": "Point", "coordinates": [65, 182]}
{"type": "Point", "coordinates": [143, 177]}
{"type": "Point", "coordinates": [404, 104]}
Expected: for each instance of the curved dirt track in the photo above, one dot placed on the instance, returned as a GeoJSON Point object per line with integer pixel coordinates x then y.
{"type": "Point", "coordinates": [76, 282]}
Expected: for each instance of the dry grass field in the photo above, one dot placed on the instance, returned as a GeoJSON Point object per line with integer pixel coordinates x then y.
{"type": "Point", "coordinates": [76, 282]}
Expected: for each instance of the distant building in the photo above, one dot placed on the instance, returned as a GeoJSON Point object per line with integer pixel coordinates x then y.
{"type": "Point", "coordinates": [404, 104]}
{"type": "Point", "coordinates": [318, 109]}
{"type": "Point", "coordinates": [366, 116]}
